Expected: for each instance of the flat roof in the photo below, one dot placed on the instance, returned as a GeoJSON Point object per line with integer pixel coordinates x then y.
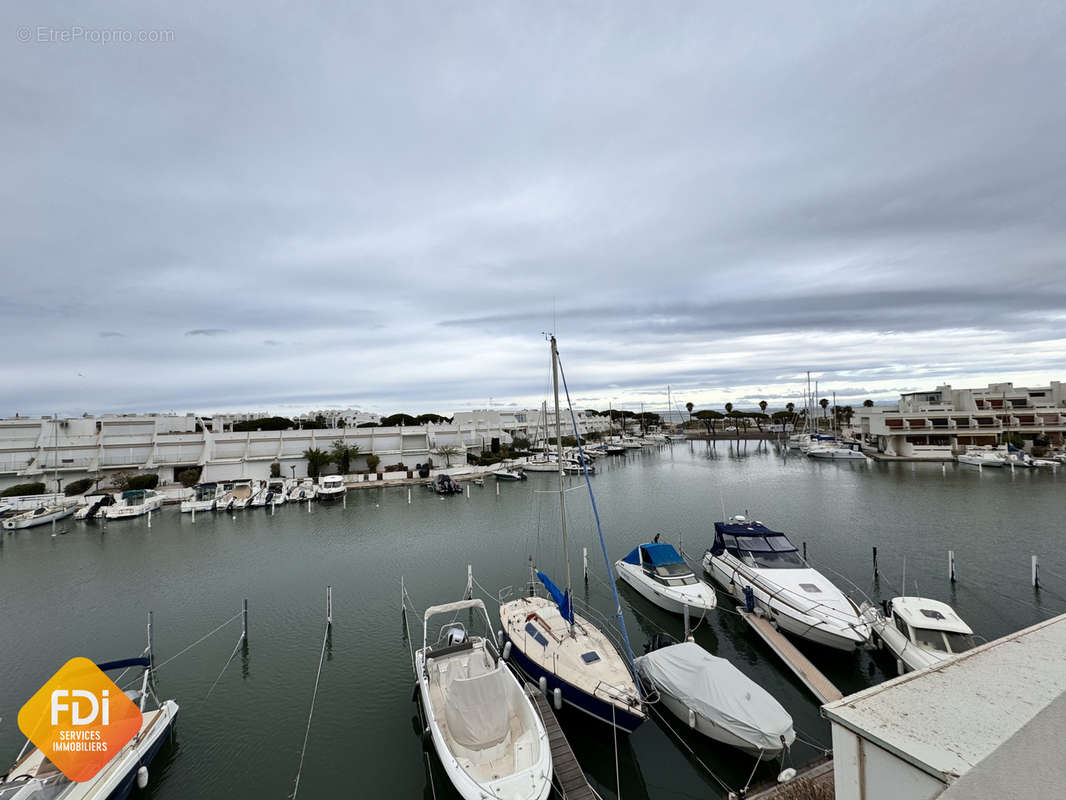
{"type": "Point", "coordinates": [949, 717]}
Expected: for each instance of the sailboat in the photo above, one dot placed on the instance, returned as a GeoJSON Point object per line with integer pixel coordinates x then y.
{"type": "Point", "coordinates": [561, 651]}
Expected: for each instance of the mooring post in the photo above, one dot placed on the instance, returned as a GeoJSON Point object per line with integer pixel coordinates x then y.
{"type": "Point", "coordinates": [408, 495]}
{"type": "Point", "coordinates": [308, 505]}
{"type": "Point", "coordinates": [469, 583]}
{"type": "Point", "coordinates": [468, 492]}
{"type": "Point", "coordinates": [403, 600]}
{"type": "Point", "coordinates": [329, 605]}
{"type": "Point", "coordinates": [687, 628]}
{"type": "Point", "coordinates": [805, 551]}
{"type": "Point", "coordinates": [273, 507]}
{"type": "Point", "coordinates": [876, 574]}
{"type": "Point", "coordinates": [344, 499]}
{"type": "Point", "coordinates": [1036, 573]}
{"type": "Point", "coordinates": [585, 562]}
{"type": "Point", "coordinates": [497, 488]}
{"type": "Point", "coordinates": [951, 566]}
{"type": "Point", "coordinates": [151, 641]}
{"type": "Point", "coordinates": [244, 619]}
{"type": "Point", "coordinates": [194, 515]}
{"type": "Point", "coordinates": [149, 518]}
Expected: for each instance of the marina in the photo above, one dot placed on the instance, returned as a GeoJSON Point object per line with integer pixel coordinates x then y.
{"type": "Point", "coordinates": [835, 511]}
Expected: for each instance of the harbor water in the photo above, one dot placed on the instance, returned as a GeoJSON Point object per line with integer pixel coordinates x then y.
{"type": "Point", "coordinates": [86, 592]}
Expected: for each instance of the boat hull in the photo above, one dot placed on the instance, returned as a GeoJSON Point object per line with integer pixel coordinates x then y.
{"type": "Point", "coordinates": [709, 729]}
{"type": "Point", "coordinates": [18, 523]}
{"type": "Point", "coordinates": [779, 613]}
{"type": "Point", "coordinates": [127, 784]}
{"type": "Point", "coordinates": [574, 697]}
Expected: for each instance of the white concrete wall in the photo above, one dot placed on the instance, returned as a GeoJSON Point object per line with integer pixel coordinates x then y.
{"type": "Point", "coordinates": [864, 771]}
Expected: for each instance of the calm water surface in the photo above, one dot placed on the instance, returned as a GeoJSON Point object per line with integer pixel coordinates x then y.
{"type": "Point", "coordinates": [86, 593]}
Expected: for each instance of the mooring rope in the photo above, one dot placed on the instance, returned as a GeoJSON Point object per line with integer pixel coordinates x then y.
{"type": "Point", "coordinates": [314, 696]}
{"type": "Point", "coordinates": [236, 647]}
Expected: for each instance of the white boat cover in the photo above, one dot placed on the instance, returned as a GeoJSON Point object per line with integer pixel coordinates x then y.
{"type": "Point", "coordinates": [715, 689]}
{"type": "Point", "coordinates": [478, 713]}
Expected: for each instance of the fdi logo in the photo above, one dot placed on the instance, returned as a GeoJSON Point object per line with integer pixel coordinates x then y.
{"type": "Point", "coordinates": [79, 719]}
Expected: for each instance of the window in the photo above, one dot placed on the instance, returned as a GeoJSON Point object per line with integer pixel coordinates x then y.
{"type": "Point", "coordinates": [901, 626]}
{"type": "Point", "coordinates": [771, 560]}
{"type": "Point", "coordinates": [960, 642]}
{"type": "Point", "coordinates": [931, 640]}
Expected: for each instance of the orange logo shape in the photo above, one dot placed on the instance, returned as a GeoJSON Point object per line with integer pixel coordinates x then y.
{"type": "Point", "coordinates": [80, 719]}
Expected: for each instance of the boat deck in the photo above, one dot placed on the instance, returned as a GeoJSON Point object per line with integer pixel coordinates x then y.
{"type": "Point", "coordinates": [569, 779]}
{"type": "Point", "coordinates": [819, 685]}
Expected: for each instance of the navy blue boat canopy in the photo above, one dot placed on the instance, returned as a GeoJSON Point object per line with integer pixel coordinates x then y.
{"type": "Point", "coordinates": [655, 554]}
{"type": "Point", "coordinates": [751, 536]}
{"type": "Point", "coordinates": [124, 663]}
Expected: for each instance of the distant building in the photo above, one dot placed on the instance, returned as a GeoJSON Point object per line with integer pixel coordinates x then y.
{"type": "Point", "coordinates": [944, 421]}
{"type": "Point", "coordinates": [525, 423]}
{"type": "Point", "coordinates": [987, 724]}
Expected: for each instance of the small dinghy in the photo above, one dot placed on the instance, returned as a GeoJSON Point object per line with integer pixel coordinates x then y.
{"type": "Point", "coordinates": [658, 572]}
{"type": "Point", "coordinates": [716, 699]}
{"type": "Point", "coordinates": [489, 738]}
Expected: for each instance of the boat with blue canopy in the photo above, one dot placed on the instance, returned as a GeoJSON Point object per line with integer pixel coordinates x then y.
{"type": "Point", "coordinates": [660, 574]}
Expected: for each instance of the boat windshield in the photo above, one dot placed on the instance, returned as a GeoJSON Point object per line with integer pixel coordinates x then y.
{"type": "Point", "coordinates": [674, 575]}
{"type": "Point", "coordinates": [930, 639]}
{"type": "Point", "coordinates": [764, 552]}
{"type": "Point", "coordinates": [960, 642]}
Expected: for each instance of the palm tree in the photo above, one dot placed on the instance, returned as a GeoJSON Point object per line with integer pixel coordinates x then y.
{"type": "Point", "coordinates": [729, 408]}
{"type": "Point", "coordinates": [824, 403]}
{"type": "Point", "coordinates": [449, 451]}
{"type": "Point", "coordinates": [762, 406]}
{"type": "Point", "coordinates": [316, 460]}
{"type": "Point", "coordinates": [342, 455]}
{"type": "Point", "coordinates": [867, 403]}
{"type": "Point", "coordinates": [689, 407]}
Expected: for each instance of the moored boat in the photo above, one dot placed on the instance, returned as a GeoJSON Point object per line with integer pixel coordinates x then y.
{"type": "Point", "coordinates": [42, 515]}
{"type": "Point", "coordinates": [205, 496]}
{"type": "Point", "coordinates": [134, 503]}
{"type": "Point", "coordinates": [920, 632]}
{"type": "Point", "coordinates": [489, 738]}
{"type": "Point", "coordinates": [717, 700]}
{"type": "Point", "coordinates": [748, 556]}
{"type": "Point", "coordinates": [331, 487]}
{"type": "Point", "coordinates": [658, 572]}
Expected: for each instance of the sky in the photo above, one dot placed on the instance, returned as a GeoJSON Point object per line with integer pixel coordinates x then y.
{"type": "Point", "coordinates": [291, 206]}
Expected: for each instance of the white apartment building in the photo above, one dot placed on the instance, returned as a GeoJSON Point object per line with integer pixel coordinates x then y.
{"type": "Point", "coordinates": [525, 423]}
{"type": "Point", "coordinates": [944, 421]}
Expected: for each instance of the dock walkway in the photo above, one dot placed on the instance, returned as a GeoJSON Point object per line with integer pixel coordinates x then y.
{"type": "Point", "coordinates": [812, 678]}
{"type": "Point", "coordinates": [814, 780]}
{"type": "Point", "coordinates": [570, 781]}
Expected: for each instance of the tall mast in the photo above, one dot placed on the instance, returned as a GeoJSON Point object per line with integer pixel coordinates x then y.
{"type": "Point", "coordinates": [559, 456]}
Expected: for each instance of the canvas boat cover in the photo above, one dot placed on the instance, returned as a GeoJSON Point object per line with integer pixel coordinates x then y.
{"type": "Point", "coordinates": [715, 689]}
{"type": "Point", "coordinates": [656, 554]}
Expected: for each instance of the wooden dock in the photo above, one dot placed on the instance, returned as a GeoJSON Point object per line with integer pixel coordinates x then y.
{"type": "Point", "coordinates": [820, 686]}
{"type": "Point", "coordinates": [814, 780]}
{"type": "Point", "coordinates": [570, 781]}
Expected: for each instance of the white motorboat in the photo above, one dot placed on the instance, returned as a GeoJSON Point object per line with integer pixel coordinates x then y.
{"type": "Point", "coordinates": [95, 506]}
{"type": "Point", "coordinates": [510, 474]}
{"type": "Point", "coordinates": [236, 496]}
{"type": "Point", "coordinates": [277, 492]}
{"type": "Point", "coordinates": [35, 777]}
{"type": "Point", "coordinates": [1042, 463]}
{"type": "Point", "coordinates": [836, 452]}
{"type": "Point", "coordinates": [134, 503]}
{"type": "Point", "coordinates": [920, 632]}
{"type": "Point", "coordinates": [658, 572]}
{"type": "Point", "coordinates": [747, 555]}
{"type": "Point", "coordinates": [488, 736]}
{"type": "Point", "coordinates": [331, 487]}
{"type": "Point", "coordinates": [541, 465]}
{"type": "Point", "coordinates": [982, 458]}
{"type": "Point", "coordinates": [716, 699]}
{"type": "Point", "coordinates": [42, 515]}
{"type": "Point", "coordinates": [205, 497]}
{"type": "Point", "coordinates": [304, 490]}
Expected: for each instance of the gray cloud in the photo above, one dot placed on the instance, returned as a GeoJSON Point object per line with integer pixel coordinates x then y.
{"type": "Point", "coordinates": [715, 198]}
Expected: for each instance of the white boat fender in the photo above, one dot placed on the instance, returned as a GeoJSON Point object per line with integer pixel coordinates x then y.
{"type": "Point", "coordinates": [557, 698]}
{"type": "Point", "coordinates": [142, 776]}
{"type": "Point", "coordinates": [543, 684]}
{"type": "Point", "coordinates": [786, 775]}
{"type": "Point", "coordinates": [691, 718]}
{"type": "Point", "coordinates": [506, 651]}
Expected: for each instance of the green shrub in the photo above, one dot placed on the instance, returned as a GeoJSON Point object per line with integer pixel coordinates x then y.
{"type": "Point", "coordinates": [400, 467]}
{"type": "Point", "coordinates": [23, 488]}
{"type": "Point", "coordinates": [149, 481]}
{"type": "Point", "coordinates": [372, 462]}
{"type": "Point", "coordinates": [189, 477]}
{"type": "Point", "coordinates": [77, 487]}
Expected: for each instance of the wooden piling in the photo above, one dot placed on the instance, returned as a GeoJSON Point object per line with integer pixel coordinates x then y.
{"type": "Point", "coordinates": [244, 620]}
{"type": "Point", "coordinates": [876, 573]}
{"type": "Point", "coordinates": [951, 566]}
{"type": "Point", "coordinates": [1036, 573]}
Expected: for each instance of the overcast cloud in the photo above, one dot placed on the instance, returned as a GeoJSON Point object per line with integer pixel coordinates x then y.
{"type": "Point", "coordinates": [290, 206]}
